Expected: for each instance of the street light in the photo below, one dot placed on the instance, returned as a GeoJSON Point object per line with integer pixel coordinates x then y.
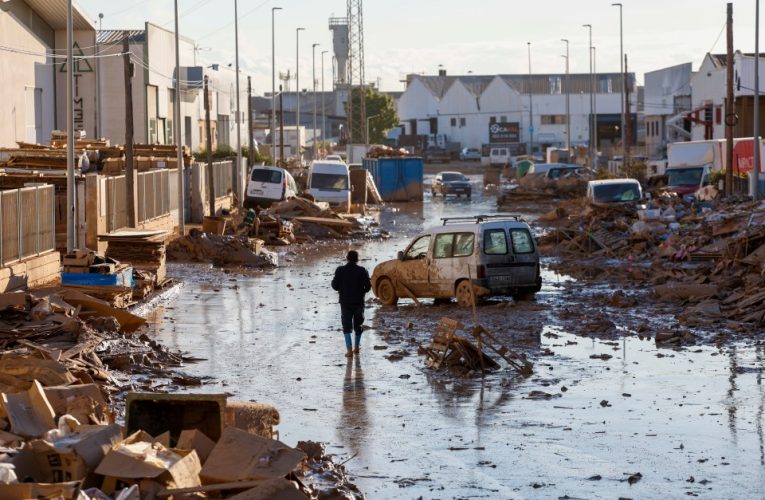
{"type": "Point", "coordinates": [592, 89]}
{"type": "Point", "coordinates": [369, 118]}
{"type": "Point", "coordinates": [323, 109]}
{"type": "Point", "coordinates": [568, 101]}
{"type": "Point", "coordinates": [297, 92]}
{"type": "Point", "coordinates": [237, 169]}
{"type": "Point", "coordinates": [177, 129]}
{"type": "Point", "coordinates": [531, 111]}
{"type": "Point", "coordinates": [756, 131]}
{"type": "Point", "coordinates": [621, 66]}
{"type": "Point", "coordinates": [313, 74]}
{"type": "Point", "coordinates": [273, 84]}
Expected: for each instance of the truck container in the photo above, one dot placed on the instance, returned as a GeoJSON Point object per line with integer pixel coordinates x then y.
{"type": "Point", "coordinates": [397, 178]}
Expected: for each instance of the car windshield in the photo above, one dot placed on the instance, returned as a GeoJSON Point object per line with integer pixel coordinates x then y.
{"type": "Point", "coordinates": [615, 193]}
{"type": "Point", "coordinates": [336, 182]}
{"type": "Point", "coordinates": [685, 176]}
{"type": "Point", "coordinates": [265, 175]}
{"type": "Point", "coordinates": [453, 177]}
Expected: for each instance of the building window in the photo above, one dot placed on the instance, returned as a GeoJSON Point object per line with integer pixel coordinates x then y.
{"type": "Point", "coordinates": [453, 122]}
{"type": "Point", "coordinates": [492, 120]}
{"type": "Point", "coordinates": [553, 119]}
{"type": "Point", "coordinates": [605, 85]}
{"type": "Point", "coordinates": [462, 122]}
{"type": "Point", "coordinates": [503, 119]}
{"type": "Point", "coordinates": [556, 86]}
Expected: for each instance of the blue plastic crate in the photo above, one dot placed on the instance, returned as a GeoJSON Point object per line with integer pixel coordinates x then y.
{"type": "Point", "coordinates": [122, 278]}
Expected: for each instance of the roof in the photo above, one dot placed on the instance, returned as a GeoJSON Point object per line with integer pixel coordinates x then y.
{"type": "Point", "coordinates": [116, 36]}
{"type": "Point", "coordinates": [613, 181]}
{"type": "Point", "coordinates": [54, 13]}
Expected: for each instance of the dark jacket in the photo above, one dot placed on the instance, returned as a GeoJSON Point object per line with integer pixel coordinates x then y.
{"type": "Point", "coordinates": [352, 281]}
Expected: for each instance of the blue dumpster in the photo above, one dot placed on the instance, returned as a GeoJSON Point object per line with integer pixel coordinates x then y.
{"type": "Point", "coordinates": [397, 179]}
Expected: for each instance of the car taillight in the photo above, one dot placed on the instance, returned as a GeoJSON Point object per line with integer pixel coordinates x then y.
{"type": "Point", "coordinates": [481, 272]}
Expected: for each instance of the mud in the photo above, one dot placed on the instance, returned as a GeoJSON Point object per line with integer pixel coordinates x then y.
{"type": "Point", "coordinates": [607, 413]}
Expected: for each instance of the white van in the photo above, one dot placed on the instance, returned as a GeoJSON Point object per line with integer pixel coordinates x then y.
{"type": "Point", "coordinates": [499, 156]}
{"type": "Point", "coordinates": [266, 185]}
{"type": "Point", "coordinates": [329, 181]}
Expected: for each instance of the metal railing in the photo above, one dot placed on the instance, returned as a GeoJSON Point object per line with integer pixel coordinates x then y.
{"type": "Point", "coordinates": [27, 222]}
{"type": "Point", "coordinates": [222, 178]}
{"type": "Point", "coordinates": [157, 192]}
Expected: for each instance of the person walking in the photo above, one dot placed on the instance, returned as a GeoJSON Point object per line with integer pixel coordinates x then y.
{"type": "Point", "coordinates": [352, 282]}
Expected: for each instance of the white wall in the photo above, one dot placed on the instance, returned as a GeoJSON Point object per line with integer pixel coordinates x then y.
{"type": "Point", "coordinates": [417, 102]}
{"type": "Point", "coordinates": [85, 82]}
{"type": "Point", "coordinates": [113, 95]}
{"type": "Point", "coordinates": [20, 75]}
{"type": "Point", "coordinates": [708, 86]}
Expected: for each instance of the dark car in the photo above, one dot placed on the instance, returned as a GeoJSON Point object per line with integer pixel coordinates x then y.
{"type": "Point", "coordinates": [432, 155]}
{"type": "Point", "coordinates": [451, 183]}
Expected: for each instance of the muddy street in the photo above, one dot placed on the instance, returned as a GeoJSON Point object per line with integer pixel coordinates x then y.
{"type": "Point", "coordinates": [600, 417]}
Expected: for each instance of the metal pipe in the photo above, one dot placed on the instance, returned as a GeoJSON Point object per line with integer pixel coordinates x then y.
{"type": "Point", "coordinates": [273, 85]}
{"type": "Point", "coordinates": [177, 129]}
{"type": "Point", "coordinates": [238, 167]}
{"type": "Point", "coordinates": [71, 236]}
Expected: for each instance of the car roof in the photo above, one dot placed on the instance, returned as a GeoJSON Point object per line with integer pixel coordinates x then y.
{"type": "Point", "coordinates": [471, 227]}
{"type": "Point", "coordinates": [267, 167]}
{"type": "Point", "coordinates": [613, 181]}
{"type": "Point", "coordinates": [450, 172]}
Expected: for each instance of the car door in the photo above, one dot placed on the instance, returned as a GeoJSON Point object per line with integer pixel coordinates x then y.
{"type": "Point", "coordinates": [451, 257]}
{"type": "Point", "coordinates": [526, 259]}
{"type": "Point", "coordinates": [412, 271]}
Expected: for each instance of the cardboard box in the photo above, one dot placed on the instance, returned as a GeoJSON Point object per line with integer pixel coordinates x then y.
{"type": "Point", "coordinates": [214, 225]}
{"type": "Point", "coordinates": [25, 491]}
{"type": "Point", "coordinates": [84, 402]}
{"type": "Point", "coordinates": [241, 456]}
{"type": "Point", "coordinates": [193, 439]}
{"type": "Point", "coordinates": [30, 413]}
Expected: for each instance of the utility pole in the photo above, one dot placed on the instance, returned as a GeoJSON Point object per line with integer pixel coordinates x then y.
{"type": "Point", "coordinates": [130, 193]}
{"type": "Point", "coordinates": [568, 103]}
{"type": "Point", "coordinates": [623, 66]}
{"type": "Point", "coordinates": [177, 132]}
{"type": "Point", "coordinates": [281, 125]}
{"type": "Point", "coordinates": [531, 108]}
{"type": "Point", "coordinates": [313, 74]}
{"type": "Point", "coordinates": [756, 127]}
{"type": "Point", "coordinates": [627, 118]}
{"type": "Point", "coordinates": [273, 85]}
{"type": "Point", "coordinates": [99, 129]}
{"type": "Point", "coordinates": [297, 93]}
{"type": "Point", "coordinates": [208, 148]}
{"type": "Point", "coordinates": [595, 103]}
{"type": "Point", "coordinates": [238, 167]}
{"type": "Point", "coordinates": [250, 138]}
{"type": "Point", "coordinates": [730, 109]}
{"type": "Point", "coordinates": [323, 109]}
{"type": "Point", "coordinates": [591, 127]}
{"type": "Point", "coordinates": [71, 193]}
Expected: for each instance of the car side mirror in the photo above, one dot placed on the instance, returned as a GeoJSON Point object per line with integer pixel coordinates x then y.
{"type": "Point", "coordinates": [400, 255]}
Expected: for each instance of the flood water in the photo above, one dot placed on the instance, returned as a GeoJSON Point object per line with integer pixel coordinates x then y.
{"type": "Point", "coordinates": [689, 421]}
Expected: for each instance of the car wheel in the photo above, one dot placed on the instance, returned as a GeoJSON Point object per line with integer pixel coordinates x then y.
{"type": "Point", "coordinates": [386, 292]}
{"type": "Point", "coordinates": [523, 296]}
{"type": "Point", "coordinates": [464, 294]}
{"type": "Point", "coordinates": [470, 195]}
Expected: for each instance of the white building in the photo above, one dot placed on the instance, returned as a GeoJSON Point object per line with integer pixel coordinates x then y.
{"type": "Point", "coordinates": [463, 108]}
{"type": "Point", "coordinates": [667, 101]}
{"type": "Point", "coordinates": [33, 71]}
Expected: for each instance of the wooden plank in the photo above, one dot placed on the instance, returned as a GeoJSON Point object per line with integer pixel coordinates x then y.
{"type": "Point", "coordinates": [324, 221]}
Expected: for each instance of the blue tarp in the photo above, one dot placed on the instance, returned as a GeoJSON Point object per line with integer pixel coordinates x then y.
{"type": "Point", "coordinates": [123, 278]}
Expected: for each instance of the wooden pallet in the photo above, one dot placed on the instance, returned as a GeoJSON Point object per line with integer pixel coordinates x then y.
{"type": "Point", "coordinates": [515, 360]}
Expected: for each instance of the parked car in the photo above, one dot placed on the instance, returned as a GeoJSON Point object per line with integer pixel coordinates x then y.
{"type": "Point", "coordinates": [470, 154]}
{"type": "Point", "coordinates": [543, 168]}
{"type": "Point", "coordinates": [611, 191]}
{"type": "Point", "coordinates": [445, 183]}
{"type": "Point", "coordinates": [333, 158]}
{"type": "Point", "coordinates": [433, 155]}
{"type": "Point", "coordinates": [499, 156]}
{"type": "Point", "coordinates": [266, 185]}
{"type": "Point", "coordinates": [329, 181]}
{"type": "Point", "coordinates": [566, 171]}
{"type": "Point", "coordinates": [495, 254]}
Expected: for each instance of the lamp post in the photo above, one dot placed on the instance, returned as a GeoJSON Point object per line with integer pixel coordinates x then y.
{"type": "Point", "coordinates": [323, 109]}
{"type": "Point", "coordinates": [297, 93]}
{"type": "Point", "coordinates": [531, 109]}
{"type": "Point", "coordinates": [237, 169]}
{"type": "Point", "coordinates": [621, 67]}
{"type": "Point", "coordinates": [595, 103]}
{"type": "Point", "coordinates": [591, 121]}
{"type": "Point", "coordinates": [367, 129]}
{"type": "Point", "coordinates": [71, 228]}
{"type": "Point", "coordinates": [568, 101]}
{"type": "Point", "coordinates": [177, 129]}
{"type": "Point", "coordinates": [756, 134]}
{"type": "Point", "coordinates": [313, 74]}
{"type": "Point", "coordinates": [273, 84]}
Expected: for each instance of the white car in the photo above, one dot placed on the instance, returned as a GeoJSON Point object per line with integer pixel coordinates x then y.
{"type": "Point", "coordinates": [329, 181]}
{"type": "Point", "coordinates": [333, 158]}
{"type": "Point", "coordinates": [266, 185]}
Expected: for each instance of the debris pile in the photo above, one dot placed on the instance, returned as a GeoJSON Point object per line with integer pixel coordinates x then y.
{"type": "Point", "coordinates": [711, 254]}
{"type": "Point", "coordinates": [146, 252]}
{"type": "Point", "coordinates": [386, 152]}
{"type": "Point", "coordinates": [221, 250]}
{"type": "Point", "coordinates": [536, 187]}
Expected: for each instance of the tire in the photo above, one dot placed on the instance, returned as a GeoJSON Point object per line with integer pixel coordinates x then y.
{"type": "Point", "coordinates": [469, 195]}
{"type": "Point", "coordinates": [464, 294]}
{"type": "Point", "coordinates": [524, 296]}
{"type": "Point", "coordinates": [386, 292]}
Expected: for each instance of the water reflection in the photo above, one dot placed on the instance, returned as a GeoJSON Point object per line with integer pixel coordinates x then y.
{"type": "Point", "coordinates": [354, 417]}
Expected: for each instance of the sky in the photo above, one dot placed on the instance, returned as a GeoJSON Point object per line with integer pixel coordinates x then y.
{"type": "Point", "coordinates": [416, 36]}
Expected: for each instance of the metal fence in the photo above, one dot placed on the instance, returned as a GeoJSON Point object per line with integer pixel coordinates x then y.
{"type": "Point", "coordinates": [157, 192]}
{"type": "Point", "coordinates": [222, 177]}
{"type": "Point", "coordinates": [116, 203]}
{"type": "Point", "coordinates": [27, 222]}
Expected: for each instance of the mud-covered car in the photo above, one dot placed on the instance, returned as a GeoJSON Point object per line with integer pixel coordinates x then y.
{"type": "Point", "coordinates": [496, 254]}
{"type": "Point", "coordinates": [455, 183]}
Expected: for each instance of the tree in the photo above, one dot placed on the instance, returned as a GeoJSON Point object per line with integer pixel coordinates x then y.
{"type": "Point", "coordinates": [380, 110]}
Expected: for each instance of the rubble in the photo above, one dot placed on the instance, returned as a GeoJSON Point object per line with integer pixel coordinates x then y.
{"type": "Point", "coordinates": [221, 250]}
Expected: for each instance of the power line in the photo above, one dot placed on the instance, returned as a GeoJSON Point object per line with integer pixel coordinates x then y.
{"type": "Point", "coordinates": [232, 22]}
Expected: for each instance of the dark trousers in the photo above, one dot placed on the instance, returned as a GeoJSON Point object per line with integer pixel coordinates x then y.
{"type": "Point", "coordinates": [352, 317]}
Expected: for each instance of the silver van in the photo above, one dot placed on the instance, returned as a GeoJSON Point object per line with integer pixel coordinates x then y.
{"type": "Point", "coordinates": [496, 253]}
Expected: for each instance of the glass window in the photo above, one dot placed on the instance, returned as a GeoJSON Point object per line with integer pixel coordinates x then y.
{"type": "Point", "coordinates": [453, 122]}
{"type": "Point", "coordinates": [419, 248]}
{"type": "Point", "coordinates": [521, 241]}
{"type": "Point", "coordinates": [494, 242]}
{"type": "Point", "coordinates": [443, 246]}
{"type": "Point", "coordinates": [331, 182]}
{"type": "Point", "coordinates": [462, 122]}
{"type": "Point", "coordinates": [463, 244]}
{"type": "Point", "coordinates": [265, 175]}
